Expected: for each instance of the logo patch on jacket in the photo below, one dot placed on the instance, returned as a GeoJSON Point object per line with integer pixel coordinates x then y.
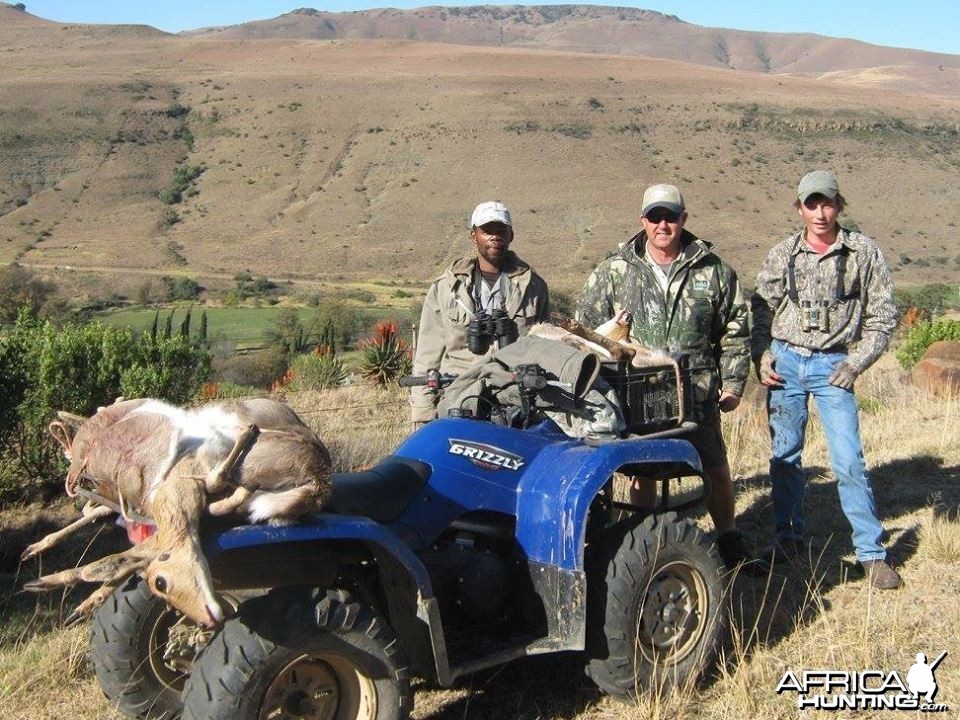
{"type": "Point", "coordinates": [486, 457]}
{"type": "Point", "coordinates": [701, 284]}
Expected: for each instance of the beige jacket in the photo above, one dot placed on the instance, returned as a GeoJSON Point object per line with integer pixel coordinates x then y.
{"type": "Point", "coordinates": [447, 310]}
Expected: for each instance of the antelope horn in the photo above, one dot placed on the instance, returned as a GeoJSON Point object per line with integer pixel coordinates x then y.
{"type": "Point", "coordinates": [61, 434]}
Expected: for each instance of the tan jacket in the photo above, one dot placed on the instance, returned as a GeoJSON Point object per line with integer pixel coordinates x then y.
{"type": "Point", "coordinates": [447, 310]}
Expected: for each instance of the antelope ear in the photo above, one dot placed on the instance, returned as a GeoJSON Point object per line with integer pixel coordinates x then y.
{"type": "Point", "coordinates": [74, 421]}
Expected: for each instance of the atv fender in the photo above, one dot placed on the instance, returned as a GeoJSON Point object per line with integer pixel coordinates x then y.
{"type": "Point", "coordinates": [557, 489]}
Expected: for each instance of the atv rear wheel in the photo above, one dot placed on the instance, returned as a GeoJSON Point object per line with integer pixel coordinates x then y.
{"type": "Point", "coordinates": [142, 652]}
{"type": "Point", "coordinates": [309, 659]}
{"type": "Point", "coordinates": [659, 617]}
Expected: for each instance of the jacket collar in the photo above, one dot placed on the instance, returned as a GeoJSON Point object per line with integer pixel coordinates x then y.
{"type": "Point", "coordinates": [467, 266]}
{"type": "Point", "coordinates": [691, 247]}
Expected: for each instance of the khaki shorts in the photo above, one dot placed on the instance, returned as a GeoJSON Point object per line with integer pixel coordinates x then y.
{"type": "Point", "coordinates": [708, 441]}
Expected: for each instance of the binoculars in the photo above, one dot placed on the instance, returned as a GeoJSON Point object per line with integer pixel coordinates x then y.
{"type": "Point", "coordinates": [487, 326]}
{"type": "Point", "coordinates": [815, 316]}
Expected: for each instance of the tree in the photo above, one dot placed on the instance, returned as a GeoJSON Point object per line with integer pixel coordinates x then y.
{"type": "Point", "coordinates": [20, 288]}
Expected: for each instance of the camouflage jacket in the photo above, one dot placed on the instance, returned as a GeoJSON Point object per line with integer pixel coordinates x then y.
{"type": "Point", "coordinates": [702, 312]}
{"type": "Point", "coordinates": [859, 312]}
{"type": "Point", "coordinates": [447, 310]}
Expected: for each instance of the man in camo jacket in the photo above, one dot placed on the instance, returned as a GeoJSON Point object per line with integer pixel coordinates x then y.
{"type": "Point", "coordinates": [823, 312]}
{"type": "Point", "coordinates": [683, 299]}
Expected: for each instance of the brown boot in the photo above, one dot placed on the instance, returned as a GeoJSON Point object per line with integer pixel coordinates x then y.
{"type": "Point", "coordinates": [881, 575]}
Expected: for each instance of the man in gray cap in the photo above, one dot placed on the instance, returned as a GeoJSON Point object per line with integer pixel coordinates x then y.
{"type": "Point", "coordinates": [492, 282]}
{"type": "Point", "coordinates": [823, 312]}
{"type": "Point", "coordinates": [683, 299]}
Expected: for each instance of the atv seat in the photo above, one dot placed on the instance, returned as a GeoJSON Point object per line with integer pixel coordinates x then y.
{"type": "Point", "coordinates": [380, 493]}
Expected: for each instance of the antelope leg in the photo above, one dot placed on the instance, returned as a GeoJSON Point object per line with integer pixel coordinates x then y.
{"type": "Point", "coordinates": [89, 517]}
{"type": "Point", "coordinates": [217, 478]}
{"type": "Point", "coordinates": [111, 568]}
{"type": "Point", "coordinates": [232, 503]}
{"type": "Point", "coordinates": [99, 596]}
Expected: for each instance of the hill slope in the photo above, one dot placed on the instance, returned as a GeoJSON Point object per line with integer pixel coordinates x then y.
{"type": "Point", "coordinates": [362, 159]}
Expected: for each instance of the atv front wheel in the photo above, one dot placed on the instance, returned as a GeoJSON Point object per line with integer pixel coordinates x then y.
{"type": "Point", "coordinates": [142, 652]}
{"type": "Point", "coordinates": [659, 616]}
{"type": "Point", "coordinates": [309, 659]}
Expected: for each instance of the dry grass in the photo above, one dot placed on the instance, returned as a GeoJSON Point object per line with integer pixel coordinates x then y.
{"type": "Point", "coordinates": [824, 616]}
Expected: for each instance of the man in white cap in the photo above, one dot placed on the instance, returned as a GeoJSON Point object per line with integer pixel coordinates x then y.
{"type": "Point", "coordinates": [491, 283]}
{"type": "Point", "coordinates": [823, 312]}
{"type": "Point", "coordinates": [683, 299]}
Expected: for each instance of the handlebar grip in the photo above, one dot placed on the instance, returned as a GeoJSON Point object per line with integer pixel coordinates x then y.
{"type": "Point", "coordinates": [413, 380]}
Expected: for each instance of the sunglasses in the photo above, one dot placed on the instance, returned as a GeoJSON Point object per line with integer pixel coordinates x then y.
{"type": "Point", "coordinates": [657, 217]}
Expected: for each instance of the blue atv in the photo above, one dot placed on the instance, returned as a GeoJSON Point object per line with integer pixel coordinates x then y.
{"type": "Point", "coordinates": [472, 545]}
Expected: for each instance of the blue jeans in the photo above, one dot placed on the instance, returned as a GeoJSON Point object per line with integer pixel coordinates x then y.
{"type": "Point", "coordinates": [787, 411]}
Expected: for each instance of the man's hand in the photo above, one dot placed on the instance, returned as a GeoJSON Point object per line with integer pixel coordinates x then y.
{"type": "Point", "coordinates": [843, 376]}
{"type": "Point", "coordinates": [765, 372]}
{"type": "Point", "coordinates": [728, 401]}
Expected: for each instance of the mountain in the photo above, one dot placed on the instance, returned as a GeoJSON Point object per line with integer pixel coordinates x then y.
{"type": "Point", "coordinates": [127, 153]}
{"type": "Point", "coordinates": [621, 31]}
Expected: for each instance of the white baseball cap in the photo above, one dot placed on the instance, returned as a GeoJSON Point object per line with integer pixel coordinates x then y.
{"type": "Point", "coordinates": [488, 212]}
{"type": "Point", "coordinates": [663, 196]}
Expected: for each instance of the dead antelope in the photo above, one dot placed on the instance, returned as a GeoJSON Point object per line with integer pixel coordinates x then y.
{"type": "Point", "coordinates": [147, 458]}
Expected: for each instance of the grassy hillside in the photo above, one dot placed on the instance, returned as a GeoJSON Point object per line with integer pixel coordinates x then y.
{"type": "Point", "coordinates": [327, 161]}
{"type": "Point", "coordinates": [821, 617]}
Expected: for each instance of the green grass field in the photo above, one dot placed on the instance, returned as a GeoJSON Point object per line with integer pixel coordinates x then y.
{"type": "Point", "coordinates": [243, 326]}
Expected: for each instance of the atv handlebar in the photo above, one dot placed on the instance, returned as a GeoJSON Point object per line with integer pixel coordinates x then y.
{"type": "Point", "coordinates": [433, 379]}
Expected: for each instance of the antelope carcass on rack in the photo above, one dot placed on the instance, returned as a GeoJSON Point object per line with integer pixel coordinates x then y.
{"type": "Point", "coordinates": [151, 461]}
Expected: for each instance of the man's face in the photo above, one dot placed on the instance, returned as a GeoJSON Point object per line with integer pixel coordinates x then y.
{"type": "Point", "coordinates": [819, 215]}
{"type": "Point", "coordinates": [663, 228]}
{"type": "Point", "coordinates": [492, 240]}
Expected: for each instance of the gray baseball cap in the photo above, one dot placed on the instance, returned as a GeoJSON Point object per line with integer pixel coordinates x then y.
{"type": "Point", "coordinates": [665, 196]}
{"type": "Point", "coordinates": [818, 182]}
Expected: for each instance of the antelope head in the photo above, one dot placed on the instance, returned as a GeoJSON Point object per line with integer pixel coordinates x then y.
{"type": "Point", "coordinates": [182, 577]}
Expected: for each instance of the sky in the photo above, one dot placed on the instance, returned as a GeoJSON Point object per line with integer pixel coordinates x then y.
{"type": "Point", "coordinates": [932, 25]}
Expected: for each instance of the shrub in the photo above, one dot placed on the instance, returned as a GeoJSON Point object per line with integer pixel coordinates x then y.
{"type": "Point", "coordinates": [19, 287]}
{"type": "Point", "coordinates": [228, 390]}
{"type": "Point", "coordinates": [77, 367]}
{"type": "Point", "coordinates": [923, 335]}
{"type": "Point", "coordinates": [933, 299]}
{"type": "Point", "coordinates": [523, 127]}
{"type": "Point", "coordinates": [316, 371]}
{"type": "Point", "coordinates": [258, 369]}
{"type": "Point", "coordinates": [581, 131]}
{"type": "Point", "coordinates": [384, 356]}
{"type": "Point", "coordinates": [183, 179]}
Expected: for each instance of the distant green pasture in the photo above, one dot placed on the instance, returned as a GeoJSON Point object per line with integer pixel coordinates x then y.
{"type": "Point", "coordinates": [242, 326]}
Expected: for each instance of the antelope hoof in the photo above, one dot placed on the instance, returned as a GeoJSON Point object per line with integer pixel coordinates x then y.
{"type": "Point", "coordinates": [37, 586]}
{"type": "Point", "coordinates": [31, 551]}
{"type": "Point", "coordinates": [73, 618]}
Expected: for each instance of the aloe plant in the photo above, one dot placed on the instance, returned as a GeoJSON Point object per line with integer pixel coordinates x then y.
{"type": "Point", "coordinates": [384, 356]}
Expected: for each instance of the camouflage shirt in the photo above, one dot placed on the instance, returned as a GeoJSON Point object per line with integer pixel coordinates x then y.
{"type": "Point", "coordinates": [702, 311]}
{"type": "Point", "coordinates": [858, 309]}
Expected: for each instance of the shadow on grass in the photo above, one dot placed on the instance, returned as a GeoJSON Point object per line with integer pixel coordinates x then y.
{"type": "Point", "coordinates": [770, 609]}
{"type": "Point", "coordinates": [551, 686]}
{"type": "Point", "coordinates": [23, 615]}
